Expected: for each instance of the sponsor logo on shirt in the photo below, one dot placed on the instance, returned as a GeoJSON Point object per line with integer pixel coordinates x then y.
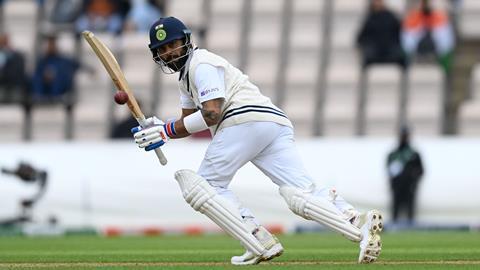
{"type": "Point", "coordinates": [208, 91]}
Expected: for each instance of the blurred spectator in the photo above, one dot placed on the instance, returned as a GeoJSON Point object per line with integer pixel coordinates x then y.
{"type": "Point", "coordinates": [428, 31]}
{"type": "Point", "coordinates": [121, 129]}
{"type": "Point", "coordinates": [142, 14]}
{"type": "Point", "coordinates": [54, 74]}
{"type": "Point", "coordinates": [405, 169]}
{"type": "Point", "coordinates": [123, 7]}
{"type": "Point", "coordinates": [101, 15]}
{"type": "Point", "coordinates": [379, 36]}
{"type": "Point", "coordinates": [12, 71]}
{"type": "Point", "coordinates": [65, 11]}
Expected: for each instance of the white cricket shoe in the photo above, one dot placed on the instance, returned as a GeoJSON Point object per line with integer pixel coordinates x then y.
{"type": "Point", "coordinates": [269, 241]}
{"type": "Point", "coordinates": [371, 224]}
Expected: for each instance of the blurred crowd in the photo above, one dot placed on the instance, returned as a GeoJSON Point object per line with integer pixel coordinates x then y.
{"type": "Point", "coordinates": [425, 32]}
{"type": "Point", "coordinates": [51, 80]}
{"type": "Point", "coordinates": [54, 72]}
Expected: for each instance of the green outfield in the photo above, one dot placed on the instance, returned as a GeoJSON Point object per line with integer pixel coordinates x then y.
{"type": "Point", "coordinates": [405, 250]}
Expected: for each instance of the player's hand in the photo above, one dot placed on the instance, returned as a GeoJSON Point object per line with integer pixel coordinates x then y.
{"type": "Point", "coordinates": [152, 136]}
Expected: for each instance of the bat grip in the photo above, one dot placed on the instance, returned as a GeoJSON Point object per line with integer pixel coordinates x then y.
{"type": "Point", "coordinates": [161, 157]}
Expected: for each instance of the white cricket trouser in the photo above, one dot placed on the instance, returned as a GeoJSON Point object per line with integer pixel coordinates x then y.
{"type": "Point", "coordinates": [270, 147]}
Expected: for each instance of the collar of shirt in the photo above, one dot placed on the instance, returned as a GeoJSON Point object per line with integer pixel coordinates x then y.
{"type": "Point", "coordinates": [184, 71]}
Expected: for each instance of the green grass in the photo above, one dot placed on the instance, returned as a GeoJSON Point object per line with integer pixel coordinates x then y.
{"type": "Point", "coordinates": [406, 250]}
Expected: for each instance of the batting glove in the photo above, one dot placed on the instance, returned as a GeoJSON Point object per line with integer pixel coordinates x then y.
{"type": "Point", "coordinates": [152, 136]}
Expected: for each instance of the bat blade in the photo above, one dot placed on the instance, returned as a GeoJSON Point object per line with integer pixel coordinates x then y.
{"type": "Point", "coordinates": [116, 74]}
{"type": "Point", "coordinates": [113, 68]}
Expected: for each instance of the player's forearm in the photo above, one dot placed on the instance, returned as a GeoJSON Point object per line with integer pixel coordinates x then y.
{"type": "Point", "coordinates": [180, 130]}
{"type": "Point", "coordinates": [194, 122]}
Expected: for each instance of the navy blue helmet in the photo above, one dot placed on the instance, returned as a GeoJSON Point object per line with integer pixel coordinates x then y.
{"type": "Point", "coordinates": [167, 30]}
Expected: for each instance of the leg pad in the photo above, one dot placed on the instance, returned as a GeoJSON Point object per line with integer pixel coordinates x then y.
{"type": "Point", "coordinates": [203, 198]}
{"type": "Point", "coordinates": [319, 209]}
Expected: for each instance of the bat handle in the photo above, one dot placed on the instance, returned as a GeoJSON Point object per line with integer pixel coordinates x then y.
{"type": "Point", "coordinates": [161, 157]}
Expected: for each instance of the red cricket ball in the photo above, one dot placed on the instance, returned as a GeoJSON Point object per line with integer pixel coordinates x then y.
{"type": "Point", "coordinates": [121, 97]}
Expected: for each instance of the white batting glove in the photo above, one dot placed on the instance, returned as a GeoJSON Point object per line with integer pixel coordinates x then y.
{"type": "Point", "coordinates": [152, 136]}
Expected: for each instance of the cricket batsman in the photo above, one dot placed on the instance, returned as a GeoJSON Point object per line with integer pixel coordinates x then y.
{"type": "Point", "coordinates": [246, 127]}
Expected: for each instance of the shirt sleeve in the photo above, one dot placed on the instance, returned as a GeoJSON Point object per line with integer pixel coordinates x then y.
{"type": "Point", "coordinates": [210, 82]}
{"type": "Point", "coordinates": [186, 102]}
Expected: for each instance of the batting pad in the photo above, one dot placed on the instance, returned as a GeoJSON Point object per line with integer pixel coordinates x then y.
{"type": "Point", "coordinates": [203, 198]}
{"type": "Point", "coordinates": [320, 210]}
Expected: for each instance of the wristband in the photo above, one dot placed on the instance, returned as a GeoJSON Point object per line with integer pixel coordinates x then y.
{"type": "Point", "coordinates": [170, 129]}
{"type": "Point", "coordinates": [195, 122]}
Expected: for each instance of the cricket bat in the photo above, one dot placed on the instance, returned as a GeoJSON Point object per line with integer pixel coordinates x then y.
{"type": "Point", "coordinates": [119, 80]}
